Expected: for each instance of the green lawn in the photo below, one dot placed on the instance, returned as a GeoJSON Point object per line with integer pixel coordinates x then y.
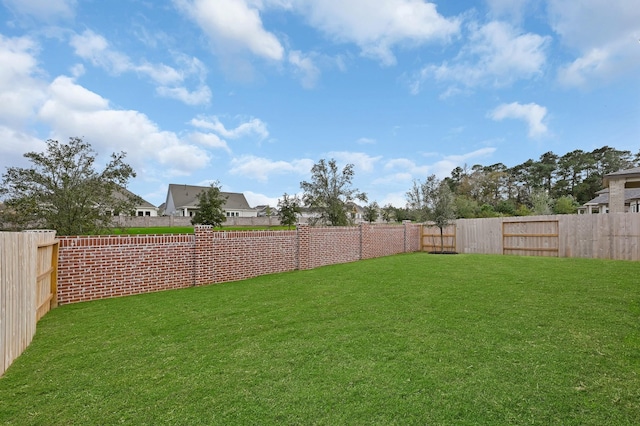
{"type": "Point", "coordinates": [412, 339]}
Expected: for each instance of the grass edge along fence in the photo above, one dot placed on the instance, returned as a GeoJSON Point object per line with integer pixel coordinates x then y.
{"type": "Point", "coordinates": [28, 271]}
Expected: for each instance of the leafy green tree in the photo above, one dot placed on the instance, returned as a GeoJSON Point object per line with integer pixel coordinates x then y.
{"type": "Point", "coordinates": [565, 205]}
{"type": "Point", "coordinates": [210, 207]}
{"type": "Point", "coordinates": [443, 210]}
{"type": "Point", "coordinates": [371, 212]}
{"type": "Point", "coordinates": [388, 213]}
{"type": "Point", "coordinates": [419, 197]}
{"type": "Point", "coordinates": [288, 210]}
{"type": "Point", "coordinates": [466, 207]}
{"type": "Point", "coordinates": [329, 192]}
{"type": "Point", "coordinates": [541, 202]}
{"type": "Point", "coordinates": [62, 190]}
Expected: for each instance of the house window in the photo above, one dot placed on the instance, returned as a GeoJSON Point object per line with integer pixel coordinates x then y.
{"type": "Point", "coordinates": [140, 213]}
{"type": "Point", "coordinates": [147, 213]}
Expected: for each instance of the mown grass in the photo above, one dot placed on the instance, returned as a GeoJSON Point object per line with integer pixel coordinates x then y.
{"type": "Point", "coordinates": [408, 339]}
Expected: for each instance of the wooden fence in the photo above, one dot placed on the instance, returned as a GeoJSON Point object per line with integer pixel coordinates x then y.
{"type": "Point", "coordinates": [432, 241]}
{"type": "Point", "coordinates": [596, 236]}
{"type": "Point", "coordinates": [28, 266]}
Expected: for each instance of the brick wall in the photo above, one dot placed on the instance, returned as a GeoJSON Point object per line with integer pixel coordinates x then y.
{"type": "Point", "coordinates": [98, 267]}
{"type": "Point", "coordinates": [231, 256]}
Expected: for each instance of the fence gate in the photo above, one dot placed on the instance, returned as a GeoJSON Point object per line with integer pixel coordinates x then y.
{"type": "Point", "coordinates": [430, 238]}
{"type": "Point", "coordinates": [46, 277]}
{"type": "Point", "coordinates": [531, 238]}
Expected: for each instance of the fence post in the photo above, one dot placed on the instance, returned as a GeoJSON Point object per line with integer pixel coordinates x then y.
{"type": "Point", "coordinates": [304, 235]}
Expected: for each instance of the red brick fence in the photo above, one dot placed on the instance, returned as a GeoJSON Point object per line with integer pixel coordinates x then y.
{"type": "Point", "coordinates": [97, 267]}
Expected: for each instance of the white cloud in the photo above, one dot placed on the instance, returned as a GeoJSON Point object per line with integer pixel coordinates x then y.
{"type": "Point", "coordinates": [200, 96]}
{"type": "Point", "coordinates": [254, 126]}
{"type": "Point", "coordinates": [232, 25]}
{"type": "Point", "coordinates": [44, 10]}
{"type": "Point", "coordinates": [20, 89]}
{"type": "Point", "coordinates": [96, 49]}
{"type": "Point", "coordinates": [533, 114]}
{"type": "Point", "coordinates": [14, 144]}
{"type": "Point", "coordinates": [514, 10]}
{"type": "Point", "coordinates": [496, 55]}
{"type": "Point", "coordinates": [459, 160]}
{"type": "Point", "coordinates": [305, 68]}
{"type": "Point", "coordinates": [360, 160]}
{"type": "Point", "coordinates": [378, 28]}
{"type": "Point", "coordinates": [604, 33]}
{"type": "Point", "coordinates": [73, 110]}
{"type": "Point", "coordinates": [406, 167]}
{"type": "Point", "coordinates": [366, 141]}
{"type": "Point", "coordinates": [255, 199]}
{"type": "Point", "coordinates": [261, 168]}
{"type": "Point", "coordinates": [210, 140]}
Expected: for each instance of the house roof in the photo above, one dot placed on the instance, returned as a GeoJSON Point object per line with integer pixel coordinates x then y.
{"type": "Point", "coordinates": [630, 194]}
{"type": "Point", "coordinates": [627, 173]}
{"type": "Point", "coordinates": [185, 196]}
{"type": "Point", "coordinates": [144, 204]}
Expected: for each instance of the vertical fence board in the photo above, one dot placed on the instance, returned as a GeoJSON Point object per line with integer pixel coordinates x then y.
{"type": "Point", "coordinates": [20, 261]}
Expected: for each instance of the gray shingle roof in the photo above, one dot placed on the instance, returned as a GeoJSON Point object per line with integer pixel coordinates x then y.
{"type": "Point", "coordinates": [633, 171]}
{"type": "Point", "coordinates": [603, 196]}
{"type": "Point", "coordinates": [187, 196]}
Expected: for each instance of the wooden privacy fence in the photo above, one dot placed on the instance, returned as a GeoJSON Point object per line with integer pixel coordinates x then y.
{"type": "Point", "coordinates": [432, 241]}
{"type": "Point", "coordinates": [28, 281]}
{"type": "Point", "coordinates": [531, 238]}
{"type": "Point", "coordinates": [594, 236]}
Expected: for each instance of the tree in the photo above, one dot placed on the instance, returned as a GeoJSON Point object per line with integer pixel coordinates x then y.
{"type": "Point", "coordinates": [419, 197]}
{"type": "Point", "coordinates": [62, 190]}
{"type": "Point", "coordinates": [372, 212]}
{"type": "Point", "coordinates": [435, 201]}
{"type": "Point", "coordinates": [541, 202]}
{"type": "Point", "coordinates": [443, 210]}
{"type": "Point", "coordinates": [288, 210]}
{"type": "Point", "coordinates": [565, 205]}
{"type": "Point", "coordinates": [388, 213]}
{"type": "Point", "coordinates": [329, 192]}
{"type": "Point", "coordinates": [210, 207]}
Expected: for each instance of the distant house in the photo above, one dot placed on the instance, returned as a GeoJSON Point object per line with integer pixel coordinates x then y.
{"type": "Point", "coordinates": [622, 194]}
{"type": "Point", "coordinates": [142, 207]}
{"type": "Point", "coordinates": [600, 204]}
{"type": "Point", "coordinates": [266, 210]}
{"type": "Point", "coordinates": [182, 200]}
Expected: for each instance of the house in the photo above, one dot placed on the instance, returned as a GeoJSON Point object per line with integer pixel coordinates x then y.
{"type": "Point", "coordinates": [622, 194]}
{"type": "Point", "coordinates": [142, 207]}
{"type": "Point", "coordinates": [600, 204]}
{"type": "Point", "coordinates": [182, 200]}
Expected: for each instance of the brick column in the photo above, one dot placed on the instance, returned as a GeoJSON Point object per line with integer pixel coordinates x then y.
{"type": "Point", "coordinates": [616, 196]}
{"type": "Point", "coordinates": [304, 235]}
{"type": "Point", "coordinates": [203, 268]}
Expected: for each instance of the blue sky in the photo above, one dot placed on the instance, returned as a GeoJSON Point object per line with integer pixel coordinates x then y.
{"type": "Point", "coordinates": [252, 93]}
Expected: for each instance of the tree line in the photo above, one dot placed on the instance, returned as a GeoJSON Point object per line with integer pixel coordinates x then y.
{"type": "Point", "coordinates": [551, 184]}
{"type": "Point", "coordinates": [62, 190]}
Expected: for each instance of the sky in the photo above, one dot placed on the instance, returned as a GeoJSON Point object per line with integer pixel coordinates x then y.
{"type": "Point", "coordinates": [253, 93]}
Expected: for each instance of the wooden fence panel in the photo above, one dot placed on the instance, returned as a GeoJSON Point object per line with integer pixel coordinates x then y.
{"type": "Point", "coordinates": [482, 236]}
{"type": "Point", "coordinates": [596, 236]}
{"type": "Point", "coordinates": [431, 241]}
{"type": "Point", "coordinates": [531, 238]}
{"type": "Point", "coordinates": [20, 261]}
